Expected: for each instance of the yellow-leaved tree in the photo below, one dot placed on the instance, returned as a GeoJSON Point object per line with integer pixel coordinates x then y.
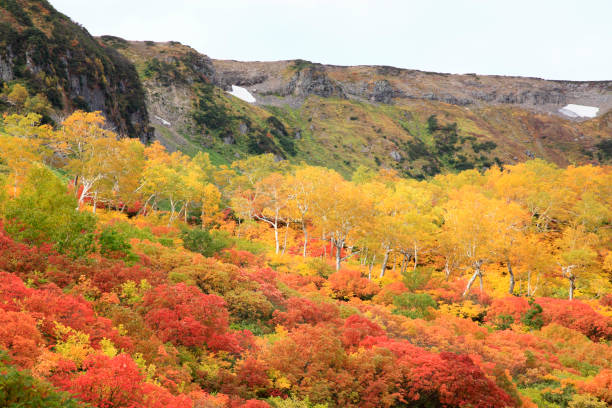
{"type": "Point", "coordinates": [22, 143]}
{"type": "Point", "coordinates": [90, 151]}
{"type": "Point", "coordinates": [576, 255]}
{"type": "Point", "coordinates": [343, 213]}
{"type": "Point", "coordinates": [476, 226]}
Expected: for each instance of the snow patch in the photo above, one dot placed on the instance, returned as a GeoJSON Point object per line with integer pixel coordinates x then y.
{"type": "Point", "coordinates": [241, 93]}
{"type": "Point", "coordinates": [579, 111]}
{"type": "Point", "coordinates": [163, 121]}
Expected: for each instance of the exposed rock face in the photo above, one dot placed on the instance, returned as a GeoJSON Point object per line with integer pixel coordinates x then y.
{"type": "Point", "coordinates": [6, 68]}
{"type": "Point", "coordinates": [243, 128]}
{"type": "Point", "coordinates": [313, 81]}
{"type": "Point", "coordinates": [60, 59]}
{"type": "Point", "coordinates": [339, 117]}
{"type": "Point", "coordinates": [172, 72]}
{"type": "Point", "coordinates": [200, 64]}
{"type": "Point", "coordinates": [382, 84]}
{"type": "Point", "coordinates": [383, 92]}
{"type": "Point", "coordinates": [395, 155]}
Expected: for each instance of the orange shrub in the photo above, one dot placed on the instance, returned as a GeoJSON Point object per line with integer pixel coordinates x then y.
{"type": "Point", "coordinates": [347, 283]}
{"type": "Point", "coordinates": [512, 306]}
{"type": "Point", "coordinates": [600, 386]}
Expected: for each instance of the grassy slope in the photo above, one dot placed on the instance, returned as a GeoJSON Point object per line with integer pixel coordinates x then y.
{"type": "Point", "coordinates": [344, 134]}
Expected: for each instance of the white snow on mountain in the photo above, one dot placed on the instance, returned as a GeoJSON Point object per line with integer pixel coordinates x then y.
{"type": "Point", "coordinates": [163, 121]}
{"type": "Point", "coordinates": [579, 111]}
{"type": "Point", "coordinates": [242, 93]}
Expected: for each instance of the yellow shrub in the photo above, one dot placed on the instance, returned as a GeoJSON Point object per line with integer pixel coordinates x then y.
{"type": "Point", "coordinates": [466, 310]}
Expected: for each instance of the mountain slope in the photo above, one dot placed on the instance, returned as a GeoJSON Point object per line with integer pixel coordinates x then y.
{"type": "Point", "coordinates": [190, 113]}
{"type": "Point", "coordinates": [55, 57]}
{"type": "Point", "coordinates": [344, 117]}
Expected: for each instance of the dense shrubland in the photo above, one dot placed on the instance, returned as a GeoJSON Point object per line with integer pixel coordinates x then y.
{"type": "Point", "coordinates": [135, 277]}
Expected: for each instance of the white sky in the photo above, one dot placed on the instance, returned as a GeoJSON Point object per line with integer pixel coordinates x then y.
{"type": "Point", "coordinates": [553, 39]}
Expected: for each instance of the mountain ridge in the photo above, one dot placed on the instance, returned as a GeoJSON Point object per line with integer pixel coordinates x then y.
{"type": "Point", "coordinates": [384, 83]}
{"type": "Point", "coordinates": [324, 123]}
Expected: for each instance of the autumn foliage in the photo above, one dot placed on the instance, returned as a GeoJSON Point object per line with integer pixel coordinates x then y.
{"type": "Point", "coordinates": [476, 289]}
{"type": "Point", "coordinates": [185, 316]}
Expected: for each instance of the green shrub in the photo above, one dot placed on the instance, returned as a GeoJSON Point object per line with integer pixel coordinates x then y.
{"type": "Point", "coordinates": [248, 305]}
{"type": "Point", "coordinates": [44, 212]}
{"type": "Point", "coordinates": [253, 247]}
{"type": "Point", "coordinates": [321, 267]}
{"type": "Point", "coordinates": [586, 401]}
{"type": "Point", "coordinates": [293, 402]}
{"type": "Point", "coordinates": [414, 305]}
{"type": "Point", "coordinates": [203, 241]}
{"type": "Point", "coordinates": [561, 397]}
{"type": "Point", "coordinates": [416, 279]}
{"type": "Point", "coordinates": [533, 316]}
{"type": "Point", "coordinates": [432, 124]}
{"type": "Point", "coordinates": [18, 389]}
{"type": "Point", "coordinates": [504, 322]}
{"type": "Point", "coordinates": [113, 242]}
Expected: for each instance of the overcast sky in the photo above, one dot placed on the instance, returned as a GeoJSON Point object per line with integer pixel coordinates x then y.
{"type": "Point", "coordinates": [553, 39]}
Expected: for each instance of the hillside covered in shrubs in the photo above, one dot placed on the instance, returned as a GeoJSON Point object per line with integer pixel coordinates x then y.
{"type": "Point", "coordinates": [135, 277]}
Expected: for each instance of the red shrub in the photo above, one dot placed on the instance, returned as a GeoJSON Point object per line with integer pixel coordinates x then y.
{"type": "Point", "coordinates": [452, 292]}
{"type": "Point", "coordinates": [184, 315]}
{"type": "Point", "coordinates": [316, 248]}
{"type": "Point", "coordinates": [578, 316]}
{"type": "Point", "coordinates": [305, 311]}
{"type": "Point", "coordinates": [64, 271]}
{"type": "Point", "coordinates": [21, 259]}
{"type": "Point", "coordinates": [49, 305]}
{"type": "Point", "coordinates": [266, 277]}
{"type": "Point", "coordinates": [19, 335]}
{"type": "Point", "coordinates": [240, 258]}
{"type": "Point", "coordinates": [12, 291]}
{"type": "Point", "coordinates": [388, 373]}
{"type": "Point", "coordinates": [105, 274]}
{"type": "Point", "coordinates": [255, 404]}
{"type": "Point", "coordinates": [388, 292]}
{"type": "Point", "coordinates": [116, 382]}
{"type": "Point", "coordinates": [606, 300]}
{"type": "Point", "coordinates": [302, 283]}
{"type": "Point", "coordinates": [357, 328]}
{"type": "Point", "coordinates": [252, 374]}
{"type": "Point", "coordinates": [162, 230]}
{"type": "Point", "coordinates": [507, 306]}
{"type": "Point", "coordinates": [445, 379]}
{"type": "Point", "coordinates": [600, 386]}
{"type": "Point", "coordinates": [52, 305]}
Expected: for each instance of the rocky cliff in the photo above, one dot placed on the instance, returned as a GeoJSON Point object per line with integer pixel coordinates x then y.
{"type": "Point", "coordinates": [49, 54]}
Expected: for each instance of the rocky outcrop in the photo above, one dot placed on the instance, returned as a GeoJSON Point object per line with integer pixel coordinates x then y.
{"type": "Point", "coordinates": [6, 67]}
{"type": "Point", "coordinates": [491, 126]}
{"type": "Point", "coordinates": [314, 81]}
{"type": "Point", "coordinates": [383, 92]}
